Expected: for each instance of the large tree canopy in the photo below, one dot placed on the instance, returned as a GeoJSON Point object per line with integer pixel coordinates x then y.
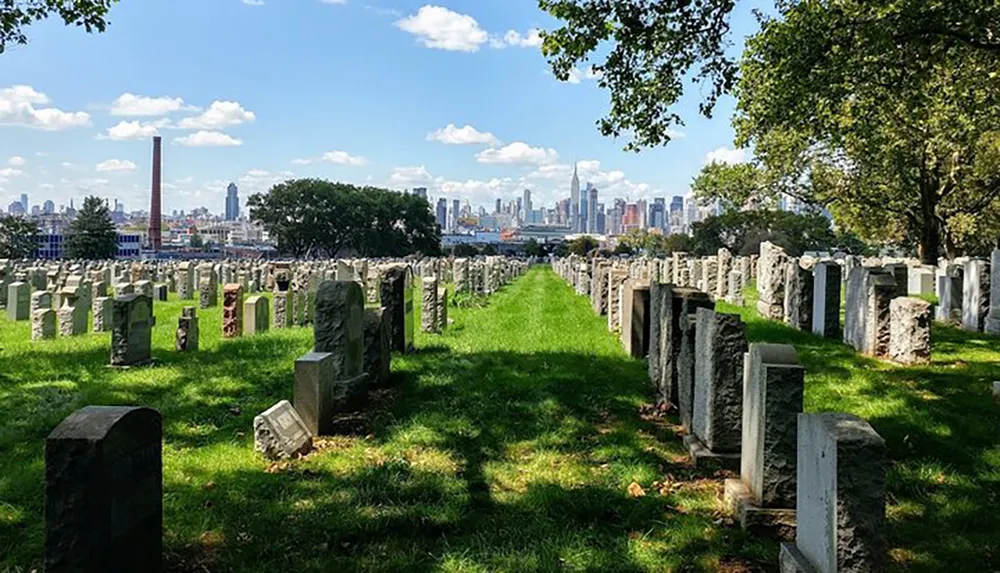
{"type": "Point", "coordinates": [92, 234]}
{"type": "Point", "coordinates": [18, 237]}
{"type": "Point", "coordinates": [313, 216]}
{"type": "Point", "coordinates": [15, 15]}
{"type": "Point", "coordinates": [645, 51]}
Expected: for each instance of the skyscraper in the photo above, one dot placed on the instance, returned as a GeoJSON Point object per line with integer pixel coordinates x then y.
{"type": "Point", "coordinates": [456, 214]}
{"type": "Point", "coordinates": [498, 207]}
{"type": "Point", "coordinates": [24, 201]}
{"type": "Point", "coordinates": [574, 202]}
{"type": "Point", "coordinates": [48, 207]}
{"type": "Point", "coordinates": [420, 192]}
{"type": "Point", "coordinates": [526, 205]}
{"type": "Point", "coordinates": [592, 209]}
{"type": "Point", "coordinates": [658, 214]}
{"type": "Point", "coordinates": [442, 213]}
{"type": "Point", "coordinates": [581, 226]}
{"type": "Point", "coordinates": [232, 202]}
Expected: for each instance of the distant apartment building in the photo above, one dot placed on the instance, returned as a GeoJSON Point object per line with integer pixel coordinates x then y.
{"type": "Point", "coordinates": [51, 246]}
{"type": "Point", "coordinates": [232, 202]}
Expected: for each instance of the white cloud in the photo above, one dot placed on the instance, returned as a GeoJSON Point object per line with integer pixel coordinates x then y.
{"type": "Point", "coordinates": [513, 38]}
{"type": "Point", "coordinates": [465, 135]}
{"type": "Point", "coordinates": [410, 175]}
{"type": "Point", "coordinates": [208, 139]}
{"type": "Point", "coordinates": [343, 158]}
{"type": "Point", "coordinates": [726, 155]}
{"type": "Point", "coordinates": [219, 115]}
{"type": "Point", "coordinates": [517, 153]}
{"type": "Point", "coordinates": [675, 134]}
{"type": "Point", "coordinates": [576, 75]}
{"type": "Point", "coordinates": [127, 130]}
{"type": "Point", "coordinates": [16, 161]}
{"type": "Point", "coordinates": [440, 28]}
{"type": "Point", "coordinates": [338, 157]}
{"type": "Point", "coordinates": [115, 166]}
{"type": "Point", "coordinates": [18, 106]}
{"type": "Point", "coordinates": [8, 172]}
{"type": "Point", "coordinates": [131, 105]}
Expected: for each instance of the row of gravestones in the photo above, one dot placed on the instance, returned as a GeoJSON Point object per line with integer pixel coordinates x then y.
{"type": "Point", "coordinates": [740, 405]}
{"type": "Point", "coordinates": [103, 464]}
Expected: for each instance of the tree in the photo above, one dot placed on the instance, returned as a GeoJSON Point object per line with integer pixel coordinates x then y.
{"type": "Point", "coordinates": [742, 232]}
{"type": "Point", "coordinates": [533, 249]}
{"type": "Point", "coordinates": [462, 250]}
{"type": "Point", "coordinates": [648, 49]}
{"type": "Point", "coordinates": [582, 246]}
{"type": "Point", "coordinates": [733, 186]}
{"type": "Point", "coordinates": [196, 241]}
{"type": "Point", "coordinates": [92, 234]}
{"type": "Point", "coordinates": [18, 238]}
{"type": "Point", "coordinates": [15, 15]}
{"type": "Point", "coordinates": [888, 117]}
{"type": "Point", "coordinates": [314, 216]}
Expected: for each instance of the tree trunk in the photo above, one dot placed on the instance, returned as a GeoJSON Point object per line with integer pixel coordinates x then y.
{"type": "Point", "coordinates": [929, 233]}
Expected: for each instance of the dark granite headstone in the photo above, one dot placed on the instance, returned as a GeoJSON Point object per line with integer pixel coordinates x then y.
{"type": "Point", "coordinates": [378, 355]}
{"type": "Point", "coordinates": [104, 491]}
{"type": "Point", "coordinates": [397, 299]}
{"type": "Point", "coordinates": [721, 342]}
{"type": "Point", "coordinates": [132, 324]}
{"type": "Point", "coordinates": [339, 326]}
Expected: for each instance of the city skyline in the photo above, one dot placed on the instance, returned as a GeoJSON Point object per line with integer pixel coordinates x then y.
{"type": "Point", "coordinates": [490, 120]}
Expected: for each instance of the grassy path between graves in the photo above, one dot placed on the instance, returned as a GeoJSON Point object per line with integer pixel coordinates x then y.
{"type": "Point", "coordinates": [942, 433]}
{"type": "Point", "coordinates": [509, 443]}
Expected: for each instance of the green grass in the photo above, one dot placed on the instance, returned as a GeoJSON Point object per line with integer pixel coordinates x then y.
{"type": "Point", "coordinates": [506, 444]}
{"type": "Point", "coordinates": [942, 432]}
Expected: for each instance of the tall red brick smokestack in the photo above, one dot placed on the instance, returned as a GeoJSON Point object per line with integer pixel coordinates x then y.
{"type": "Point", "coordinates": [155, 214]}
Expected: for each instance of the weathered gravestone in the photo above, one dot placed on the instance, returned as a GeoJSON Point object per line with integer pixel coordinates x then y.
{"type": "Point", "coordinates": [185, 281]}
{"type": "Point", "coordinates": [72, 315]}
{"type": "Point", "coordinates": [799, 295]}
{"type": "Point", "coordinates": [866, 312]}
{"type": "Point", "coordinates": [232, 311]}
{"type": "Point", "coordinates": [378, 354]}
{"type": "Point", "coordinates": [102, 313]}
{"type": "Point", "coordinates": [144, 288]}
{"type": "Point", "coordinates": [429, 305]}
{"type": "Point", "coordinates": [397, 299]}
{"type": "Point", "coordinates": [992, 322]}
{"type": "Point", "coordinates": [717, 416]}
{"type": "Point", "coordinates": [40, 300]}
{"type": "Point", "coordinates": [771, 281]}
{"type": "Point", "coordinates": [187, 330]}
{"type": "Point", "coordinates": [826, 299]}
{"type": "Point", "coordinates": [132, 324]}
{"type": "Point", "coordinates": [208, 286]}
{"type": "Point", "coordinates": [124, 288]}
{"type": "Point", "coordinates": [687, 313]}
{"type": "Point", "coordinates": [339, 326]}
{"type": "Point", "coordinates": [43, 324]}
{"type": "Point", "coordinates": [104, 491]}
{"type": "Point", "coordinates": [635, 318]}
{"type": "Point", "coordinates": [909, 331]}
{"type": "Point", "coordinates": [975, 295]}
{"type": "Point", "coordinates": [256, 315]}
{"type": "Point", "coordinates": [18, 301]}
{"type": "Point", "coordinates": [279, 433]}
{"type": "Point", "coordinates": [840, 499]}
{"type": "Point", "coordinates": [764, 495]}
{"type": "Point", "coordinates": [160, 291]}
{"type": "Point", "coordinates": [282, 309]}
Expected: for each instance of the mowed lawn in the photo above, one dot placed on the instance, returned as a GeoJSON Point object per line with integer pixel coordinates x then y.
{"type": "Point", "coordinates": [942, 433]}
{"type": "Point", "coordinates": [511, 442]}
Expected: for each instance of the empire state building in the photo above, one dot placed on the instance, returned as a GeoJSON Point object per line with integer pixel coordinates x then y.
{"type": "Point", "coordinates": [574, 203]}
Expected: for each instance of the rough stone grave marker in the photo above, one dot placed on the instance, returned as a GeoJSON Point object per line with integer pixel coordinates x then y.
{"type": "Point", "coordinates": [187, 330]}
{"type": "Point", "coordinates": [104, 491]}
{"type": "Point", "coordinates": [429, 305]}
{"type": "Point", "coordinates": [232, 311]}
{"type": "Point", "coordinates": [132, 324]}
{"type": "Point", "coordinates": [378, 354]}
{"type": "Point", "coordinates": [279, 432]}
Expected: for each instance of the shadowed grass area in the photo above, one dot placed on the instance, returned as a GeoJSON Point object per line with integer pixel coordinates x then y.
{"type": "Point", "coordinates": [942, 432]}
{"type": "Point", "coordinates": [507, 443]}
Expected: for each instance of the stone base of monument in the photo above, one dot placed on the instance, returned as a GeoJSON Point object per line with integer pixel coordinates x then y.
{"type": "Point", "coordinates": [702, 457]}
{"type": "Point", "coordinates": [791, 560]}
{"type": "Point", "coordinates": [146, 364]}
{"type": "Point", "coordinates": [755, 519]}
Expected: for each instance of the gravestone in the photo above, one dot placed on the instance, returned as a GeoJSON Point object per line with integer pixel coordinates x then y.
{"type": "Point", "coordinates": [909, 331]}
{"type": "Point", "coordinates": [659, 296]}
{"type": "Point", "coordinates": [102, 314]}
{"type": "Point", "coordinates": [975, 295]}
{"type": "Point", "coordinates": [616, 278]}
{"type": "Point", "coordinates": [992, 322]}
{"type": "Point", "coordinates": [771, 281]}
{"type": "Point", "coordinates": [442, 309]}
{"type": "Point", "coordinates": [461, 270]}
{"type": "Point", "coordinates": [687, 326]}
{"type": "Point", "coordinates": [18, 301]}
{"type": "Point", "coordinates": [208, 287]}
{"type": "Point", "coordinates": [279, 433]}
{"type": "Point", "coordinates": [43, 324]}
{"type": "Point", "coordinates": [320, 392]}
{"type": "Point", "coordinates": [429, 305]}
{"type": "Point", "coordinates": [635, 318]}
{"type": "Point", "coordinates": [840, 500]}
{"type": "Point", "coordinates": [339, 326]}
{"type": "Point", "coordinates": [160, 292]}
{"type": "Point", "coordinates": [72, 315]}
{"type": "Point", "coordinates": [185, 281]}
{"type": "Point", "coordinates": [717, 417]}
{"type": "Point", "coordinates": [41, 300]}
{"type": "Point", "coordinates": [397, 299]}
{"type": "Point", "coordinates": [232, 311]}
{"type": "Point", "coordinates": [282, 309]}
{"type": "Point", "coordinates": [132, 324]}
{"type": "Point", "coordinates": [826, 299]}
{"type": "Point", "coordinates": [799, 295]}
{"type": "Point", "coordinates": [187, 330]}
{"type": "Point", "coordinates": [104, 491]}
{"type": "Point", "coordinates": [378, 354]}
{"type": "Point", "coordinates": [144, 288]}
{"type": "Point", "coordinates": [764, 495]}
{"type": "Point", "coordinates": [256, 315]}
{"type": "Point", "coordinates": [124, 288]}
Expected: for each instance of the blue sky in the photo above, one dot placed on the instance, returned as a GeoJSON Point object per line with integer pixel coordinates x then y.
{"type": "Point", "coordinates": [256, 91]}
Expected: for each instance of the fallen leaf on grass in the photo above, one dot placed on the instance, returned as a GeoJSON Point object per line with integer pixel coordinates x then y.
{"type": "Point", "coordinates": [635, 490]}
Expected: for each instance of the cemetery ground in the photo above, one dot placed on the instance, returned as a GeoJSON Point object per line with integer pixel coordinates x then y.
{"type": "Point", "coordinates": [520, 439]}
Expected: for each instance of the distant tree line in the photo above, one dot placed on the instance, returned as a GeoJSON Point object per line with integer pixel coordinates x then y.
{"type": "Point", "coordinates": [315, 217]}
